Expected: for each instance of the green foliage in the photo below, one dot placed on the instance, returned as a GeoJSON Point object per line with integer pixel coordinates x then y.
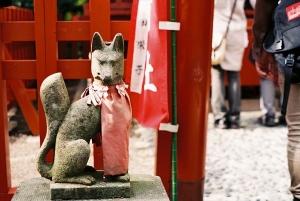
{"type": "Point", "coordinates": [65, 7]}
{"type": "Point", "coordinates": [70, 6]}
{"type": "Point", "coordinates": [23, 3]}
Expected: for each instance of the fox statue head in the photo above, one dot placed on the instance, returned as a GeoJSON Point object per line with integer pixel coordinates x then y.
{"type": "Point", "coordinates": [107, 60]}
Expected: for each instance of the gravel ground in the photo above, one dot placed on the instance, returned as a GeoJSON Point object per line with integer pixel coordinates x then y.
{"type": "Point", "coordinates": [248, 164]}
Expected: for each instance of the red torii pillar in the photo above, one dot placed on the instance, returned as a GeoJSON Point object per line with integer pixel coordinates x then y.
{"type": "Point", "coordinates": [193, 90]}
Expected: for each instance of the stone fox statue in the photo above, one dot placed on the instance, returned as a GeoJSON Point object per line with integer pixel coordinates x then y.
{"type": "Point", "coordinates": [104, 107]}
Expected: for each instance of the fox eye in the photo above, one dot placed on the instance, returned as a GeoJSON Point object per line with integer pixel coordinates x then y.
{"type": "Point", "coordinates": [102, 62]}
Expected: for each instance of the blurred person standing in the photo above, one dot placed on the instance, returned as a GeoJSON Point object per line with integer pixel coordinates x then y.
{"type": "Point", "coordinates": [265, 66]}
{"type": "Point", "coordinates": [267, 97]}
{"type": "Point", "coordinates": [237, 41]}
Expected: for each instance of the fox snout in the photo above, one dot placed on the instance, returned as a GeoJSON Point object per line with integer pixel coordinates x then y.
{"type": "Point", "coordinates": [107, 79]}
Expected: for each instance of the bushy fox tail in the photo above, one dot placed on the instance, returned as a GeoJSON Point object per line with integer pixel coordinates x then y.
{"type": "Point", "coordinates": [56, 102]}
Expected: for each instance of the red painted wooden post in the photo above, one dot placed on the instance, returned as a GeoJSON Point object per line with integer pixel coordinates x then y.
{"type": "Point", "coordinates": [50, 9]}
{"type": "Point", "coordinates": [194, 16]}
{"type": "Point", "coordinates": [40, 47]}
{"type": "Point", "coordinates": [51, 53]}
{"type": "Point", "coordinates": [100, 18]}
{"type": "Point", "coordinates": [193, 81]}
{"type": "Point", "coordinates": [5, 181]}
{"type": "Point", "coordinates": [99, 22]}
{"type": "Point", "coordinates": [163, 158]}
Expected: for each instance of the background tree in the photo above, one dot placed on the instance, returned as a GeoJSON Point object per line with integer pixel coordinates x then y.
{"type": "Point", "coordinates": [64, 7]}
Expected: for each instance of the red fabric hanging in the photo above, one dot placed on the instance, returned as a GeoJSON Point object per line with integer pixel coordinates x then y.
{"type": "Point", "coordinates": [147, 63]}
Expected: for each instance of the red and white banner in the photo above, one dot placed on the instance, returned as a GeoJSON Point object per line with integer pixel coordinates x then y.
{"type": "Point", "coordinates": [147, 63]}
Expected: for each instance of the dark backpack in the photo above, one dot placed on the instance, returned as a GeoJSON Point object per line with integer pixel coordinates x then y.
{"type": "Point", "coordinates": [283, 40]}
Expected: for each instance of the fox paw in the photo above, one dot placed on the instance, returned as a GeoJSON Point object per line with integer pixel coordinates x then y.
{"type": "Point", "coordinates": [121, 178]}
{"type": "Point", "coordinates": [85, 179]}
{"type": "Point", "coordinates": [82, 179]}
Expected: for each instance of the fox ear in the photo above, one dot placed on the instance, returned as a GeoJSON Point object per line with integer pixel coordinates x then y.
{"type": "Point", "coordinates": [118, 43]}
{"type": "Point", "coordinates": [97, 43]}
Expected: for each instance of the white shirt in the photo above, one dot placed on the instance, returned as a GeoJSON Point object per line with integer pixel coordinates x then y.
{"type": "Point", "coordinates": [237, 39]}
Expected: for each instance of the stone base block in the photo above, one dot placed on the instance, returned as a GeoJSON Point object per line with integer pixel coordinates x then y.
{"type": "Point", "coordinates": [101, 190]}
{"type": "Point", "coordinates": [142, 187]}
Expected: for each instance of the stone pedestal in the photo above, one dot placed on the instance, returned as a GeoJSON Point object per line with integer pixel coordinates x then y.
{"type": "Point", "coordinates": [101, 190]}
{"type": "Point", "coordinates": [142, 187]}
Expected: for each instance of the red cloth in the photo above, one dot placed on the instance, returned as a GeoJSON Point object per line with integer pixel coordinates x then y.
{"type": "Point", "coordinates": [116, 115]}
{"type": "Point", "coordinates": [148, 45]}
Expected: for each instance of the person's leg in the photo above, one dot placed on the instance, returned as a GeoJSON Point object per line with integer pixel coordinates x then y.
{"type": "Point", "coordinates": [293, 125]}
{"type": "Point", "coordinates": [267, 102]}
{"type": "Point", "coordinates": [267, 96]}
{"type": "Point", "coordinates": [234, 98]}
{"type": "Point", "coordinates": [218, 96]}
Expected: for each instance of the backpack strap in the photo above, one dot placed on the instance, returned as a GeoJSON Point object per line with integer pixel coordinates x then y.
{"type": "Point", "coordinates": [288, 70]}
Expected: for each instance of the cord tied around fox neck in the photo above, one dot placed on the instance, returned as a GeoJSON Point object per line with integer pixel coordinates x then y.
{"type": "Point", "coordinates": [122, 88]}
{"type": "Point", "coordinates": [97, 92]}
